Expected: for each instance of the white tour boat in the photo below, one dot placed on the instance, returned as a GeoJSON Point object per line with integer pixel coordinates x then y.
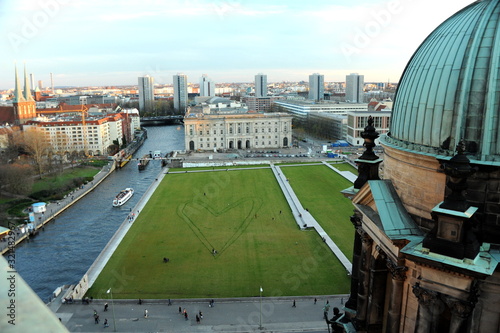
{"type": "Point", "coordinates": [123, 197]}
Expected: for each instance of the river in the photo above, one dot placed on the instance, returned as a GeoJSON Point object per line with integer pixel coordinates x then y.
{"type": "Point", "coordinates": [65, 249]}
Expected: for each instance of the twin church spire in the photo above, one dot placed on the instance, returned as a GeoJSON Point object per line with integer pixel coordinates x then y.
{"type": "Point", "coordinates": [25, 94]}
{"type": "Point", "coordinates": [23, 102]}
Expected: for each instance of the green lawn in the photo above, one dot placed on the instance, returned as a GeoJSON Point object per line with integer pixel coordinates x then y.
{"type": "Point", "coordinates": [236, 213]}
{"type": "Point", "coordinates": [64, 179]}
{"type": "Point", "coordinates": [344, 167]}
{"type": "Point", "coordinates": [318, 189]}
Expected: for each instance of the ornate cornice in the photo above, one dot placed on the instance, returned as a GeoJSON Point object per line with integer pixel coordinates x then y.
{"type": "Point", "coordinates": [398, 272]}
{"type": "Point", "coordinates": [425, 296]}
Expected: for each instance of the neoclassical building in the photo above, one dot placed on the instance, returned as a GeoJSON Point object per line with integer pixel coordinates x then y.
{"type": "Point", "coordinates": [220, 124]}
{"type": "Point", "coordinates": [427, 245]}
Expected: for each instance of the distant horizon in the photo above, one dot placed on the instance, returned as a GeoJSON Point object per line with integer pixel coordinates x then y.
{"type": "Point", "coordinates": [196, 83]}
{"type": "Point", "coordinates": [20, 70]}
{"type": "Point", "coordinates": [112, 43]}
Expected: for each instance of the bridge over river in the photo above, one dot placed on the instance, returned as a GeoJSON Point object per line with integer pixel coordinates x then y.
{"type": "Point", "coordinates": [162, 120]}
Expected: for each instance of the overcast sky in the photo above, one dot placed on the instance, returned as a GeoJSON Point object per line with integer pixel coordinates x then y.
{"type": "Point", "coordinates": [112, 42]}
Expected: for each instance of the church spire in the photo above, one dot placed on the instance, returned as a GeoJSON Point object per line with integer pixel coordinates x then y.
{"type": "Point", "coordinates": [18, 95]}
{"type": "Point", "coordinates": [27, 87]}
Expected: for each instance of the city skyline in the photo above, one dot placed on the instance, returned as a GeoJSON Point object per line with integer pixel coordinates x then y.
{"type": "Point", "coordinates": [91, 43]}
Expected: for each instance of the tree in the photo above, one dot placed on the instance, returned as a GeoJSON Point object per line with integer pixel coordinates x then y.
{"type": "Point", "coordinates": [35, 145]}
{"type": "Point", "coordinates": [16, 178]}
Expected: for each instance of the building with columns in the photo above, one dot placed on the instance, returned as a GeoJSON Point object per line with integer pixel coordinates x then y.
{"type": "Point", "coordinates": [427, 241]}
{"type": "Point", "coordinates": [220, 124]}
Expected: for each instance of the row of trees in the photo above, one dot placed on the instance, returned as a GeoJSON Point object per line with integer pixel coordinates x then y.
{"type": "Point", "coordinates": [29, 154]}
{"type": "Point", "coordinates": [162, 107]}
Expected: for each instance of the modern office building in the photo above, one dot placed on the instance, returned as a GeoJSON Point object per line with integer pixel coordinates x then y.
{"type": "Point", "coordinates": [358, 120]}
{"type": "Point", "coordinates": [300, 109]}
{"type": "Point", "coordinates": [260, 85]}
{"type": "Point", "coordinates": [354, 90]}
{"type": "Point", "coordinates": [316, 87]}
{"type": "Point", "coordinates": [261, 104]}
{"type": "Point", "coordinates": [427, 243]}
{"type": "Point", "coordinates": [222, 124]}
{"type": "Point", "coordinates": [207, 86]}
{"type": "Point", "coordinates": [329, 125]}
{"type": "Point", "coordinates": [146, 93]}
{"type": "Point", "coordinates": [180, 92]}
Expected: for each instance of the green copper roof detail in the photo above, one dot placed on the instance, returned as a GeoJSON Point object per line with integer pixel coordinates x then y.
{"type": "Point", "coordinates": [391, 215]}
{"type": "Point", "coordinates": [450, 88]}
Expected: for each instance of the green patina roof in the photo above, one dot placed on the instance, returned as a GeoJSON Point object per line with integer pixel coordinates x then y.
{"type": "Point", "coordinates": [391, 216]}
{"type": "Point", "coordinates": [485, 262]}
{"type": "Point", "coordinates": [450, 88]}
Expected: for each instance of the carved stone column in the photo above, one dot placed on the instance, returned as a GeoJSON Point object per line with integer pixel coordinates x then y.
{"type": "Point", "coordinates": [460, 312]}
{"type": "Point", "coordinates": [364, 278]}
{"type": "Point", "coordinates": [398, 274]}
{"type": "Point", "coordinates": [352, 302]}
{"type": "Point", "coordinates": [428, 310]}
{"type": "Point", "coordinates": [376, 297]}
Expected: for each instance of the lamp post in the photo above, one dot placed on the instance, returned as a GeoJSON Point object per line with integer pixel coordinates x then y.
{"type": "Point", "coordinates": [113, 307]}
{"type": "Point", "coordinates": [260, 319]}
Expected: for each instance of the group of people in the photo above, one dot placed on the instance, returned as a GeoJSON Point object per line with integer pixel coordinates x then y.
{"type": "Point", "coordinates": [96, 316]}
{"type": "Point", "coordinates": [199, 315]}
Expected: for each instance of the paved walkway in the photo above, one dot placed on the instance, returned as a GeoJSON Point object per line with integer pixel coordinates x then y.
{"type": "Point", "coordinates": [228, 315]}
{"type": "Point", "coordinates": [103, 258]}
{"type": "Point", "coordinates": [53, 209]}
{"type": "Point", "coordinates": [304, 219]}
{"type": "Point", "coordinates": [346, 174]}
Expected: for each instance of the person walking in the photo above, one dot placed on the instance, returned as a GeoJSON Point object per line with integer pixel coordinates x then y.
{"type": "Point", "coordinates": [106, 322]}
{"type": "Point", "coordinates": [201, 315]}
{"type": "Point", "coordinates": [294, 306]}
{"type": "Point", "coordinates": [180, 310]}
{"type": "Point", "coordinates": [186, 315]}
{"type": "Point", "coordinates": [145, 313]}
{"type": "Point", "coordinates": [105, 307]}
{"type": "Point", "coordinates": [197, 319]}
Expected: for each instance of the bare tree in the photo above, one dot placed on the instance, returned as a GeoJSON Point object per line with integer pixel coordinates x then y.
{"type": "Point", "coordinates": [16, 178]}
{"type": "Point", "coordinates": [34, 143]}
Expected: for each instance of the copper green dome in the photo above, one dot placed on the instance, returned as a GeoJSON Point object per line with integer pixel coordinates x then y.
{"type": "Point", "coordinates": [450, 88]}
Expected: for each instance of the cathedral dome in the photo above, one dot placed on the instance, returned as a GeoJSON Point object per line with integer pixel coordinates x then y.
{"type": "Point", "coordinates": [450, 89]}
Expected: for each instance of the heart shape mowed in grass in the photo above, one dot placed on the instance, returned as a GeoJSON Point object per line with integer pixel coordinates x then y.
{"type": "Point", "coordinates": [219, 229]}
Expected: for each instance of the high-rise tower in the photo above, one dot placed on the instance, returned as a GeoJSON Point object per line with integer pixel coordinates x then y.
{"type": "Point", "coordinates": [207, 86]}
{"type": "Point", "coordinates": [146, 93]}
{"type": "Point", "coordinates": [354, 88]}
{"type": "Point", "coordinates": [316, 87]}
{"type": "Point", "coordinates": [180, 92]}
{"type": "Point", "coordinates": [260, 85]}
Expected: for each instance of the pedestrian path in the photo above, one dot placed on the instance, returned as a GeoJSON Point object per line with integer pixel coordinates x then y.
{"type": "Point", "coordinates": [101, 261]}
{"type": "Point", "coordinates": [235, 315]}
{"type": "Point", "coordinates": [53, 209]}
{"type": "Point", "coordinates": [346, 174]}
{"type": "Point", "coordinates": [304, 219]}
